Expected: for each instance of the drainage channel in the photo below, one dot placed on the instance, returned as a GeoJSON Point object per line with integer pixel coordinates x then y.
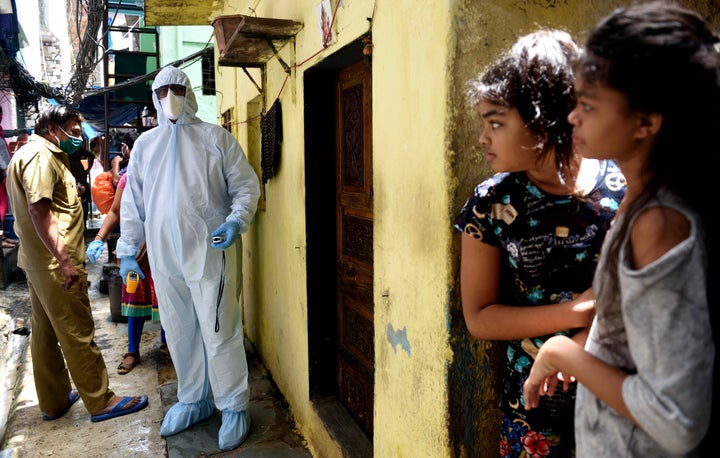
{"type": "Point", "coordinates": [14, 313]}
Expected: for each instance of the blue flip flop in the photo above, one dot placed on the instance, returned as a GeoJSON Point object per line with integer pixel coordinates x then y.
{"type": "Point", "coordinates": [72, 397]}
{"type": "Point", "coordinates": [118, 411]}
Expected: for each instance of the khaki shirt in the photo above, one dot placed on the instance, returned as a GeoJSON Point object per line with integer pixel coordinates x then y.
{"type": "Point", "coordinates": [41, 170]}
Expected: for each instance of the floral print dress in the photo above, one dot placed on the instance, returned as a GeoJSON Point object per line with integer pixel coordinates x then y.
{"type": "Point", "coordinates": [550, 247]}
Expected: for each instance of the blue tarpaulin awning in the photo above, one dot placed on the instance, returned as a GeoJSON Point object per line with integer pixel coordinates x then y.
{"type": "Point", "coordinates": [93, 110]}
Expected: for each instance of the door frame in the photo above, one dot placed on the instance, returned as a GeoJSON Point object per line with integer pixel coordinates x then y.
{"type": "Point", "coordinates": [320, 215]}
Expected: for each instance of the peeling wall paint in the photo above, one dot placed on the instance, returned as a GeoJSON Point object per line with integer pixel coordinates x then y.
{"type": "Point", "coordinates": [398, 337]}
{"type": "Point", "coordinates": [181, 12]}
{"type": "Point", "coordinates": [442, 402]}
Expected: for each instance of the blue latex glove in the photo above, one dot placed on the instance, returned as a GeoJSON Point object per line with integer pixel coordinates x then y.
{"type": "Point", "coordinates": [228, 231]}
{"type": "Point", "coordinates": [94, 250]}
{"type": "Point", "coordinates": [128, 264]}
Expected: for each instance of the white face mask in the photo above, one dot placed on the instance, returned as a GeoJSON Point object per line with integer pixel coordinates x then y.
{"type": "Point", "coordinates": [172, 105]}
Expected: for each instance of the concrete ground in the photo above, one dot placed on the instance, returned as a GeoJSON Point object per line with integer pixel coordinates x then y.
{"type": "Point", "coordinates": [272, 433]}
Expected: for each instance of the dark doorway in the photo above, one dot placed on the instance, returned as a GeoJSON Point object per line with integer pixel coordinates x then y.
{"type": "Point", "coordinates": [338, 147]}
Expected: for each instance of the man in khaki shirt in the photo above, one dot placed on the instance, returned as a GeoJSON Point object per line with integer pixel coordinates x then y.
{"type": "Point", "coordinates": [49, 223]}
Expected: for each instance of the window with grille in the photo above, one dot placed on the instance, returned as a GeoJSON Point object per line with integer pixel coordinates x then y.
{"type": "Point", "coordinates": [227, 117]}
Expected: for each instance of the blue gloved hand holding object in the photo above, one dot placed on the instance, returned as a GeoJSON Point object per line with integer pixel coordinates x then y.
{"type": "Point", "coordinates": [224, 236]}
{"type": "Point", "coordinates": [128, 264]}
{"type": "Point", "coordinates": [94, 250]}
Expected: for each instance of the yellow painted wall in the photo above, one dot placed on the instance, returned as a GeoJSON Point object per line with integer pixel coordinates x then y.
{"type": "Point", "coordinates": [275, 257]}
{"type": "Point", "coordinates": [411, 260]}
{"type": "Point", "coordinates": [186, 12]}
{"type": "Point", "coordinates": [412, 42]}
{"type": "Point", "coordinates": [435, 387]}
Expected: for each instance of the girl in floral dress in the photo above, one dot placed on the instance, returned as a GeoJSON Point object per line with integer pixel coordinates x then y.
{"type": "Point", "coordinates": [532, 232]}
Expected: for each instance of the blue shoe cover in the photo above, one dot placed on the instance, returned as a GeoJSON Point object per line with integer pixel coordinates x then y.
{"type": "Point", "coordinates": [181, 416]}
{"type": "Point", "coordinates": [234, 429]}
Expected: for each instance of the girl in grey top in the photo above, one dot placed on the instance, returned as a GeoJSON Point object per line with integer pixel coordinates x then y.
{"type": "Point", "coordinates": [648, 92]}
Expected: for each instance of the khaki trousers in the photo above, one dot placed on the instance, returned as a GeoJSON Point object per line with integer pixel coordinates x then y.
{"type": "Point", "coordinates": [63, 331]}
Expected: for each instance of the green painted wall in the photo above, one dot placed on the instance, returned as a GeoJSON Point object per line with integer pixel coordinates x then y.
{"type": "Point", "coordinates": [178, 42]}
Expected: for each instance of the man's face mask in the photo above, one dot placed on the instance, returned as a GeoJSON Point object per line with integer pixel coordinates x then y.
{"type": "Point", "coordinates": [71, 144]}
{"type": "Point", "coordinates": [172, 100]}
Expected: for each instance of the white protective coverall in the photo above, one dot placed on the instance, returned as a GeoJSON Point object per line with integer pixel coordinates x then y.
{"type": "Point", "coordinates": [185, 180]}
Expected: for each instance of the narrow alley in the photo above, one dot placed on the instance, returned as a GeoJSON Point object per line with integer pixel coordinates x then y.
{"type": "Point", "coordinates": [272, 433]}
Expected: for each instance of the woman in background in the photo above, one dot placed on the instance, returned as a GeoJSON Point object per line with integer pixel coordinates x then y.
{"type": "Point", "coordinates": [137, 306]}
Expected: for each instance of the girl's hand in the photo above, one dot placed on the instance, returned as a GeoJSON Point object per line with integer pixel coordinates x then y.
{"type": "Point", "coordinates": [584, 304]}
{"type": "Point", "coordinates": [544, 374]}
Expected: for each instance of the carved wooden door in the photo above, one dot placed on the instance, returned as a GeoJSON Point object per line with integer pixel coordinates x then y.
{"type": "Point", "coordinates": [356, 355]}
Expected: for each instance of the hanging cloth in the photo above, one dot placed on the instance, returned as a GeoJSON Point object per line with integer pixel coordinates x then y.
{"type": "Point", "coordinates": [271, 129]}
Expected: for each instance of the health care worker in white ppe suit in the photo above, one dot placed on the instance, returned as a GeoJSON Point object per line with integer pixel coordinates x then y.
{"type": "Point", "coordinates": [189, 181]}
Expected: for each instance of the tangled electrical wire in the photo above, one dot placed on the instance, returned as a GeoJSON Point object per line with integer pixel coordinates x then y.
{"type": "Point", "coordinates": [93, 11]}
{"type": "Point", "coordinates": [89, 16]}
{"type": "Point", "coordinates": [16, 79]}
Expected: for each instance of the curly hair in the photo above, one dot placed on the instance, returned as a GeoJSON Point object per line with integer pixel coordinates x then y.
{"type": "Point", "coordinates": [536, 77]}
